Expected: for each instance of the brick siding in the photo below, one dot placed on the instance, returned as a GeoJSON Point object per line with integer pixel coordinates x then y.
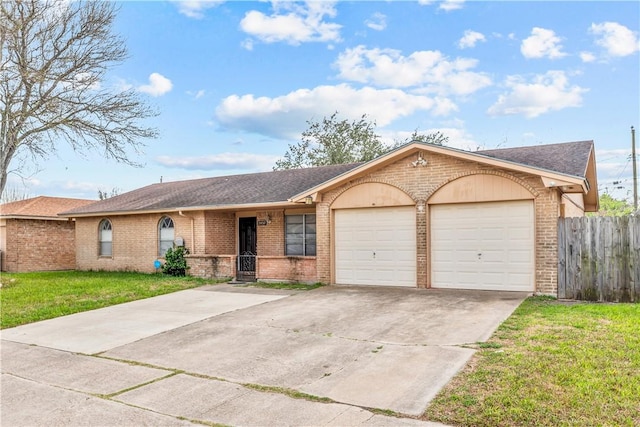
{"type": "Point", "coordinates": [215, 233]}
{"type": "Point", "coordinates": [134, 240]}
{"type": "Point", "coordinates": [287, 268]}
{"type": "Point", "coordinates": [420, 183]}
{"type": "Point", "coordinates": [212, 266]}
{"type": "Point", "coordinates": [39, 245]}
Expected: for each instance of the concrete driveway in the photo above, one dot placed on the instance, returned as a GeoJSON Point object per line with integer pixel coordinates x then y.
{"type": "Point", "coordinates": [236, 356]}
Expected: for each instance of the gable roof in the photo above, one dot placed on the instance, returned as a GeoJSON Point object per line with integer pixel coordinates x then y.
{"type": "Point", "coordinates": [217, 192]}
{"type": "Point", "coordinates": [572, 168]}
{"type": "Point", "coordinates": [569, 166]}
{"type": "Point", "coordinates": [41, 207]}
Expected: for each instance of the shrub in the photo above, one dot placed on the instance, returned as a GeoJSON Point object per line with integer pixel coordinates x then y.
{"type": "Point", "coordinates": [175, 263]}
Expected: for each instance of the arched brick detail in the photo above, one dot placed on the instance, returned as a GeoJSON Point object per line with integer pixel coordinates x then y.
{"type": "Point", "coordinates": [368, 180]}
{"type": "Point", "coordinates": [501, 174]}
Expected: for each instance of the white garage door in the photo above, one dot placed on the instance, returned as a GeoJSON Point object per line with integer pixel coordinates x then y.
{"type": "Point", "coordinates": [483, 246]}
{"type": "Point", "coordinates": [376, 246]}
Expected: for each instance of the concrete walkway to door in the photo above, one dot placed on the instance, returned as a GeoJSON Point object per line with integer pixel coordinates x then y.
{"type": "Point", "coordinates": [347, 349]}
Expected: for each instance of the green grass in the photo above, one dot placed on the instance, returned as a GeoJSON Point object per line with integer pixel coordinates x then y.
{"type": "Point", "coordinates": [551, 364]}
{"type": "Point", "coordinates": [295, 394]}
{"type": "Point", "coordinates": [286, 285]}
{"type": "Point", "coordinates": [30, 297]}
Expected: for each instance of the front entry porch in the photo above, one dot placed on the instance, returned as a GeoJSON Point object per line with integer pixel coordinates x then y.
{"type": "Point", "coordinates": [247, 250]}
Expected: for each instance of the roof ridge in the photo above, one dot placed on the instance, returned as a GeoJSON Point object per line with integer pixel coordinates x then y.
{"type": "Point", "coordinates": [255, 173]}
{"type": "Point", "coordinates": [590, 141]}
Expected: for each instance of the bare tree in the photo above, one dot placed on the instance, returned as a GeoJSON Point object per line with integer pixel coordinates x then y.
{"type": "Point", "coordinates": [53, 58]}
{"type": "Point", "coordinates": [104, 195]}
{"type": "Point", "coordinates": [13, 194]}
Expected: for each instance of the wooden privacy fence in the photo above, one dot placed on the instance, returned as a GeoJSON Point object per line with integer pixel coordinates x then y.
{"type": "Point", "coordinates": [599, 258]}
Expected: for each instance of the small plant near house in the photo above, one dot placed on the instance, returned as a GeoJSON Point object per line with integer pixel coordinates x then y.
{"type": "Point", "coordinates": [175, 264]}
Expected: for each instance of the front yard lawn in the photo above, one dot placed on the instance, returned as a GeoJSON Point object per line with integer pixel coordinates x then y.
{"type": "Point", "coordinates": [30, 297]}
{"type": "Point", "coordinates": [551, 364]}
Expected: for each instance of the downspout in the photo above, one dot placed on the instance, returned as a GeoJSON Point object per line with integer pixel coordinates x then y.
{"type": "Point", "coordinates": [193, 234]}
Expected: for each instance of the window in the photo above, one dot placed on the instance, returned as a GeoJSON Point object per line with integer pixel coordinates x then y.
{"type": "Point", "coordinates": [300, 237]}
{"type": "Point", "coordinates": [105, 238]}
{"type": "Point", "coordinates": [165, 235]}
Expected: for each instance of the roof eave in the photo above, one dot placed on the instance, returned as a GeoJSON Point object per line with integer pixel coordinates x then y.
{"type": "Point", "coordinates": [244, 206]}
{"type": "Point", "coordinates": [592, 200]}
{"type": "Point", "coordinates": [35, 217]}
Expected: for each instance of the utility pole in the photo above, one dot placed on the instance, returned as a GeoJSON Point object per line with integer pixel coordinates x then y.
{"type": "Point", "coordinates": [635, 170]}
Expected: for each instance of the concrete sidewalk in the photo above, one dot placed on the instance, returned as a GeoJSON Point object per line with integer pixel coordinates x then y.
{"type": "Point", "coordinates": [235, 356]}
{"type": "Point", "coordinates": [99, 330]}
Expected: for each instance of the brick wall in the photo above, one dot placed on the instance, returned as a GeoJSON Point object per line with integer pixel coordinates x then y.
{"type": "Point", "coordinates": [272, 263]}
{"type": "Point", "coordinates": [39, 245]}
{"type": "Point", "coordinates": [220, 233]}
{"type": "Point", "coordinates": [271, 237]}
{"type": "Point", "coordinates": [422, 182]}
{"type": "Point", "coordinates": [212, 266]}
{"type": "Point", "coordinates": [287, 268]}
{"type": "Point", "coordinates": [134, 242]}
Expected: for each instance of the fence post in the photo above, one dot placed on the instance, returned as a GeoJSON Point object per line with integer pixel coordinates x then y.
{"type": "Point", "coordinates": [562, 258]}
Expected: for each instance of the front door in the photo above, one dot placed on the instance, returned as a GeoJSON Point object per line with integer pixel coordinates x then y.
{"type": "Point", "coordinates": [247, 249]}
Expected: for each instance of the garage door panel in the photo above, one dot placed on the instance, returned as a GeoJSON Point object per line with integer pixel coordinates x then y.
{"type": "Point", "coordinates": [387, 232]}
{"type": "Point", "coordinates": [483, 246]}
{"type": "Point", "coordinates": [521, 257]}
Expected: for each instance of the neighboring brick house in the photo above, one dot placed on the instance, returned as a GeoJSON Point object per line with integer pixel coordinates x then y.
{"type": "Point", "coordinates": [34, 238]}
{"type": "Point", "coordinates": [421, 215]}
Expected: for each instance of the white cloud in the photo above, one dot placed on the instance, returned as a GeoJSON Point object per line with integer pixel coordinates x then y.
{"type": "Point", "coordinates": [547, 92]}
{"type": "Point", "coordinates": [292, 23]}
{"type": "Point", "coordinates": [449, 5]}
{"type": "Point", "coordinates": [429, 70]}
{"type": "Point", "coordinates": [378, 21]}
{"type": "Point", "coordinates": [158, 85]}
{"type": "Point", "coordinates": [587, 57]}
{"type": "Point", "coordinates": [196, 95]}
{"type": "Point", "coordinates": [446, 5]}
{"type": "Point", "coordinates": [121, 85]}
{"type": "Point", "coordinates": [286, 116]}
{"type": "Point", "coordinates": [220, 161]}
{"type": "Point", "coordinates": [616, 39]}
{"type": "Point", "coordinates": [470, 39]}
{"type": "Point", "coordinates": [195, 8]}
{"type": "Point", "coordinates": [88, 81]}
{"type": "Point", "coordinates": [542, 43]}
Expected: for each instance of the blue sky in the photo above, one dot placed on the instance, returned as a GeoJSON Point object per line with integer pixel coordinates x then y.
{"type": "Point", "coordinates": [235, 82]}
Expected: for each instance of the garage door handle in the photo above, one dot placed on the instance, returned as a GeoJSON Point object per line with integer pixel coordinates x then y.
{"type": "Point", "coordinates": [479, 256]}
{"type": "Point", "coordinates": [374, 255]}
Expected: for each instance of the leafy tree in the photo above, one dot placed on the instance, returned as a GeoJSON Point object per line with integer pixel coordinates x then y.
{"type": "Point", "coordinates": [613, 207]}
{"type": "Point", "coordinates": [435, 138]}
{"type": "Point", "coordinates": [333, 141]}
{"type": "Point", "coordinates": [53, 58]}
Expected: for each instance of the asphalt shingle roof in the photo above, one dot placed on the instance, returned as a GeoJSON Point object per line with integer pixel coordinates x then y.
{"type": "Point", "coordinates": [569, 158]}
{"type": "Point", "coordinates": [42, 206]}
{"type": "Point", "coordinates": [265, 187]}
{"type": "Point", "coordinates": [278, 186]}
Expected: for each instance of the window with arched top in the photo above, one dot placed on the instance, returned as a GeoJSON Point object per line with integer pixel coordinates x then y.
{"type": "Point", "coordinates": [166, 233]}
{"type": "Point", "coordinates": [105, 237]}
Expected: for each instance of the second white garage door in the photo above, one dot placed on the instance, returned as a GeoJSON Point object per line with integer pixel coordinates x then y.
{"type": "Point", "coordinates": [376, 246]}
{"type": "Point", "coordinates": [487, 246]}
